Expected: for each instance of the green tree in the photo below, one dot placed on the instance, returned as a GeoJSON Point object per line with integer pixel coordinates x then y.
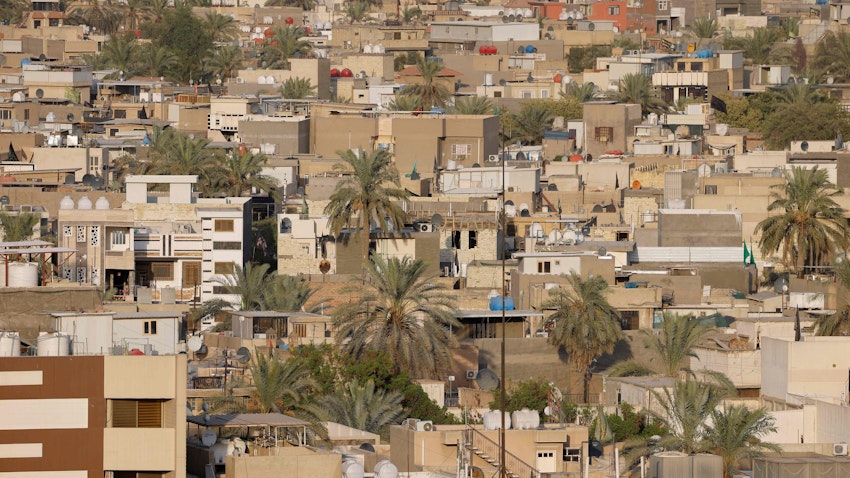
{"type": "Point", "coordinates": [297, 88]}
{"type": "Point", "coordinates": [735, 434]}
{"type": "Point", "coordinates": [532, 394]}
{"type": "Point", "coordinates": [472, 105]}
{"type": "Point", "coordinates": [582, 92]}
{"type": "Point", "coordinates": [12, 11]}
{"type": "Point", "coordinates": [357, 12]}
{"type": "Point", "coordinates": [410, 14]}
{"type": "Point", "coordinates": [98, 14]}
{"type": "Point", "coordinates": [405, 59]}
{"type": "Point", "coordinates": [584, 58]}
{"type": "Point", "coordinates": [361, 406]}
{"type": "Point", "coordinates": [155, 61]}
{"type": "Point", "coordinates": [584, 323]}
{"type": "Point", "coordinates": [305, 5]}
{"type": "Point", "coordinates": [704, 29]}
{"type": "Point", "coordinates": [286, 293]}
{"type": "Point", "coordinates": [405, 103]}
{"type": "Point", "coordinates": [280, 385]}
{"type": "Point", "coordinates": [402, 313]}
{"type": "Point", "coordinates": [20, 227]}
{"type": "Point", "coordinates": [285, 43]}
{"type": "Point", "coordinates": [636, 88]}
{"type": "Point", "coordinates": [120, 53]}
{"type": "Point", "coordinates": [368, 192]}
{"type": "Point", "coordinates": [832, 55]}
{"type": "Point", "coordinates": [243, 173]}
{"type": "Point", "coordinates": [224, 62]}
{"type": "Point", "coordinates": [248, 284]}
{"type": "Point", "coordinates": [135, 12]}
{"type": "Point", "coordinates": [429, 90]}
{"type": "Point", "coordinates": [804, 121]}
{"type": "Point", "coordinates": [530, 123]}
{"type": "Point", "coordinates": [179, 154]}
{"type": "Point", "coordinates": [805, 221]}
{"type": "Point", "coordinates": [186, 36]}
{"type": "Point", "coordinates": [220, 27]}
{"type": "Point", "coordinates": [760, 46]}
{"type": "Point", "coordinates": [686, 409]}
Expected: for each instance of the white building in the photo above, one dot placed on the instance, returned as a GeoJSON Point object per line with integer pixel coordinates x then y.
{"type": "Point", "coordinates": [117, 333]}
{"type": "Point", "coordinates": [484, 31]}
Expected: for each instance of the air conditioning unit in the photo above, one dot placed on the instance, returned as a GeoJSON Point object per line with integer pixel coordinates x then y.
{"type": "Point", "coordinates": [424, 426]}
{"type": "Point", "coordinates": [471, 374]}
{"type": "Point", "coordinates": [839, 449]}
{"type": "Point", "coordinates": [493, 158]}
{"type": "Point", "coordinates": [410, 423]}
{"type": "Point", "coordinates": [424, 227]}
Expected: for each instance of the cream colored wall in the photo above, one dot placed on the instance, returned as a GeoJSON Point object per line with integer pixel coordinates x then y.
{"type": "Point", "coordinates": [743, 367]}
{"type": "Point", "coordinates": [292, 462]}
{"type": "Point", "coordinates": [816, 366]}
{"type": "Point", "coordinates": [141, 449]}
{"type": "Point", "coordinates": [142, 377]}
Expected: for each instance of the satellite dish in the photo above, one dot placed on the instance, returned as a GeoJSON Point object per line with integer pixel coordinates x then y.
{"type": "Point", "coordinates": [602, 252]}
{"type": "Point", "coordinates": [704, 171]}
{"type": "Point", "coordinates": [804, 145]}
{"type": "Point", "coordinates": [4, 200]}
{"type": "Point", "coordinates": [780, 285]}
{"type": "Point", "coordinates": [195, 343]}
{"type": "Point", "coordinates": [437, 220]}
{"type": "Point", "coordinates": [39, 93]}
{"type": "Point", "coordinates": [552, 187]}
{"type": "Point", "coordinates": [548, 411]}
{"type": "Point", "coordinates": [70, 116]}
{"type": "Point", "coordinates": [208, 438]}
{"type": "Point", "coordinates": [502, 82]}
{"type": "Point", "coordinates": [42, 57]}
{"type": "Point", "coordinates": [202, 352]}
{"type": "Point", "coordinates": [367, 447]}
{"type": "Point", "coordinates": [591, 26]}
{"type": "Point", "coordinates": [776, 173]}
{"type": "Point", "coordinates": [2, 60]}
{"type": "Point", "coordinates": [89, 179]}
{"type": "Point", "coordinates": [487, 380]}
{"type": "Point", "coordinates": [243, 355]}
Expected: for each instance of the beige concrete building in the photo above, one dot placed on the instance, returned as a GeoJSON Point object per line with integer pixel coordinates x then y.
{"type": "Point", "coordinates": [606, 126]}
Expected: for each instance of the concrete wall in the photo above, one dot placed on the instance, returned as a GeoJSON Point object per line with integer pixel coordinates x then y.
{"type": "Point", "coordinates": [817, 366]}
{"type": "Point", "coordinates": [743, 367]}
{"type": "Point", "coordinates": [699, 228]}
{"type": "Point", "coordinates": [291, 462]}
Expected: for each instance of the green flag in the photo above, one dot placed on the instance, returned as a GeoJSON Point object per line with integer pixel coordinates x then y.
{"type": "Point", "coordinates": [747, 254]}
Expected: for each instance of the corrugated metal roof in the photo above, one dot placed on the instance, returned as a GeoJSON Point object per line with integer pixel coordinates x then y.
{"type": "Point", "coordinates": [247, 420]}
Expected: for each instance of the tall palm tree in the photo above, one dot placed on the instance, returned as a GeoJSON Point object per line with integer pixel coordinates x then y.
{"type": "Point", "coordinates": [12, 11]}
{"type": "Point", "coordinates": [760, 46]}
{"type": "Point", "coordinates": [402, 313]}
{"type": "Point", "coordinates": [135, 12]}
{"type": "Point", "coordinates": [156, 61]}
{"type": "Point", "coordinates": [580, 91]}
{"type": "Point", "coordinates": [19, 227]}
{"type": "Point", "coordinates": [244, 172]}
{"type": "Point", "coordinates": [248, 284]}
{"type": "Point", "coordinates": [281, 385]}
{"type": "Point", "coordinates": [181, 154]}
{"type": "Point", "coordinates": [529, 125]}
{"type": "Point", "coordinates": [837, 323]}
{"type": "Point", "coordinates": [120, 52]}
{"type": "Point", "coordinates": [473, 105]}
{"type": "Point", "coordinates": [410, 14]}
{"type": "Point", "coordinates": [285, 43]}
{"type": "Point", "coordinates": [99, 14]}
{"type": "Point", "coordinates": [704, 29]}
{"type": "Point", "coordinates": [297, 88]}
{"type": "Point", "coordinates": [224, 61]}
{"type": "Point", "coordinates": [361, 406]}
{"type": "Point", "coordinates": [801, 93]}
{"type": "Point", "coordinates": [671, 344]}
{"type": "Point", "coordinates": [286, 293]}
{"type": "Point", "coordinates": [405, 103]}
{"type": "Point", "coordinates": [686, 409]}
{"type": "Point", "coordinates": [368, 192]}
{"type": "Point", "coordinates": [636, 88]}
{"type": "Point", "coordinates": [428, 89]}
{"type": "Point", "coordinates": [807, 224]}
{"type": "Point", "coordinates": [832, 55]}
{"type": "Point", "coordinates": [357, 11]}
{"type": "Point", "coordinates": [735, 434]}
{"type": "Point", "coordinates": [305, 5]}
{"type": "Point", "coordinates": [585, 324]}
{"type": "Point", "coordinates": [221, 27]}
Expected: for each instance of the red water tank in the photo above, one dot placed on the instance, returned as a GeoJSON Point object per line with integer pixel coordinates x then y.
{"type": "Point", "coordinates": [484, 50]}
{"type": "Point", "coordinates": [346, 73]}
{"type": "Point", "coordinates": [557, 78]}
{"type": "Point", "coordinates": [268, 32]}
{"type": "Point", "coordinates": [289, 21]}
{"type": "Point", "coordinates": [494, 50]}
{"type": "Point", "coordinates": [334, 73]}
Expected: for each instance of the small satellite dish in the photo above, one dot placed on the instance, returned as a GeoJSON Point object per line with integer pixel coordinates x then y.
{"type": "Point", "coordinates": [602, 252]}
{"type": "Point", "coordinates": [195, 343]}
{"type": "Point", "coordinates": [39, 93]}
{"type": "Point", "coordinates": [780, 285]}
{"type": "Point", "coordinates": [367, 447]}
{"type": "Point", "coordinates": [487, 380]}
{"type": "Point", "coordinates": [42, 57]}
{"type": "Point", "coordinates": [552, 187]}
{"type": "Point", "coordinates": [776, 173]}
{"type": "Point", "coordinates": [202, 352]}
{"type": "Point", "coordinates": [437, 220]}
{"type": "Point", "coordinates": [4, 200]}
{"type": "Point", "coordinates": [704, 171]}
{"type": "Point", "coordinates": [208, 438]}
{"type": "Point", "coordinates": [2, 60]}
{"type": "Point", "coordinates": [548, 411]}
{"type": "Point", "coordinates": [70, 116]}
{"type": "Point", "coordinates": [243, 355]}
{"type": "Point", "coordinates": [502, 82]}
{"type": "Point", "coordinates": [89, 179]}
{"type": "Point", "coordinates": [804, 146]}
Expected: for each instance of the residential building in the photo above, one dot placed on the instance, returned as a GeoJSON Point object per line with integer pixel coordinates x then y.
{"type": "Point", "coordinates": [116, 333]}
{"type": "Point", "coordinates": [606, 126]}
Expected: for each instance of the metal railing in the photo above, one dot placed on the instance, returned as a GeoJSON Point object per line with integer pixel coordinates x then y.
{"type": "Point", "coordinates": [480, 444]}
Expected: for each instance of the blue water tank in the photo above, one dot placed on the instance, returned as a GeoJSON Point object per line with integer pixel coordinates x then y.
{"type": "Point", "coordinates": [530, 49]}
{"type": "Point", "coordinates": [631, 285]}
{"type": "Point", "coordinates": [25, 61]}
{"type": "Point", "coordinates": [496, 303]}
{"type": "Point", "coordinates": [706, 53]}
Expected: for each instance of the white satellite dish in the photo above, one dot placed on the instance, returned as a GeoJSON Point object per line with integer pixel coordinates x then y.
{"type": "Point", "coordinates": [704, 170]}
{"type": "Point", "coordinates": [208, 438]}
{"type": "Point", "coordinates": [195, 343]}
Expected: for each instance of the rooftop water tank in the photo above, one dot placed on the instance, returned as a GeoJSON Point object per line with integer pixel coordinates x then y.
{"type": "Point", "coordinates": [493, 420]}
{"type": "Point", "coordinates": [102, 203]}
{"type": "Point", "coordinates": [23, 274]}
{"type": "Point", "coordinates": [84, 203]}
{"type": "Point", "coordinates": [53, 345]}
{"type": "Point", "coordinates": [352, 469]}
{"type": "Point", "coordinates": [496, 303]}
{"type": "Point", "coordinates": [385, 469]}
{"type": "Point", "coordinates": [10, 344]}
{"type": "Point", "coordinates": [66, 203]}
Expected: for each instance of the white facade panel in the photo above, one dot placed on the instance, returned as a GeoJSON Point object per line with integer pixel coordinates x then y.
{"type": "Point", "coordinates": [23, 377]}
{"type": "Point", "coordinates": [44, 414]}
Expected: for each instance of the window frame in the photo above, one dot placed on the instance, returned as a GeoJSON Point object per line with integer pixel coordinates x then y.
{"type": "Point", "coordinates": [223, 225]}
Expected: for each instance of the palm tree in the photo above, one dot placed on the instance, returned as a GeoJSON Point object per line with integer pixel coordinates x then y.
{"type": "Point", "coordinates": [19, 227]}
{"type": "Point", "coordinates": [297, 88]}
{"type": "Point", "coordinates": [280, 384]}
{"type": "Point", "coordinates": [473, 105]}
{"type": "Point", "coordinates": [221, 27]}
{"type": "Point", "coordinates": [305, 5]}
{"type": "Point", "coordinates": [97, 14]}
{"type": "Point", "coordinates": [120, 52]}
{"type": "Point", "coordinates": [832, 55]}
{"type": "Point", "coordinates": [368, 193]}
{"type": "Point", "coordinates": [672, 344]}
{"type": "Point", "coordinates": [357, 11]}
{"type": "Point", "coordinates": [585, 324]}
{"type": "Point", "coordinates": [156, 61]}
{"type": "Point", "coordinates": [580, 91]}
{"type": "Point", "coordinates": [287, 294]}
{"type": "Point", "coordinates": [12, 11]}
{"type": "Point", "coordinates": [402, 313]}
{"type": "Point", "coordinates": [405, 103]}
{"type": "Point", "coordinates": [704, 29]}
{"type": "Point", "coordinates": [410, 14]}
{"type": "Point", "coordinates": [735, 434]}
{"type": "Point", "coordinates": [224, 61]}
{"type": "Point", "coordinates": [685, 411]}
{"type": "Point", "coordinates": [285, 43]}
{"type": "Point", "coordinates": [361, 406]}
{"type": "Point", "coordinates": [837, 323]}
{"type": "Point", "coordinates": [247, 283]}
{"type": "Point", "coordinates": [759, 47]}
{"type": "Point", "coordinates": [529, 125]}
{"type": "Point", "coordinates": [180, 154]}
{"type": "Point", "coordinates": [807, 225]}
{"type": "Point", "coordinates": [636, 88]}
{"type": "Point", "coordinates": [428, 89]}
{"type": "Point", "coordinates": [801, 93]}
{"type": "Point", "coordinates": [244, 172]}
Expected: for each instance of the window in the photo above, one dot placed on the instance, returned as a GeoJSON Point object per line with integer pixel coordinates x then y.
{"type": "Point", "coordinates": [696, 66]}
{"type": "Point", "coordinates": [497, 94]}
{"type": "Point", "coordinates": [527, 94]}
{"type": "Point", "coordinates": [5, 114]}
{"type": "Point", "coordinates": [711, 189]}
{"type": "Point", "coordinates": [396, 35]}
{"type": "Point", "coordinates": [191, 274]}
{"type": "Point", "coordinates": [544, 93]}
{"type": "Point", "coordinates": [224, 225]}
{"type": "Point", "coordinates": [299, 330]}
{"type": "Point", "coordinates": [680, 66]}
{"type": "Point", "coordinates": [460, 152]}
{"type": "Point", "coordinates": [614, 10]}
{"type": "Point", "coordinates": [118, 238]}
{"type": "Point", "coordinates": [120, 114]}
{"type": "Point", "coordinates": [162, 270]}
{"type": "Point", "coordinates": [220, 290]}
{"type": "Point", "coordinates": [662, 5]}
{"type": "Point", "coordinates": [572, 454]}
{"type": "Point", "coordinates": [544, 267]}
{"type": "Point", "coordinates": [150, 327]}
{"type": "Point", "coordinates": [136, 414]}
{"type": "Point", "coordinates": [473, 239]}
{"type": "Point", "coordinates": [227, 245]}
{"type": "Point", "coordinates": [455, 239]}
{"type": "Point", "coordinates": [224, 268]}
{"type": "Point", "coordinates": [603, 134]}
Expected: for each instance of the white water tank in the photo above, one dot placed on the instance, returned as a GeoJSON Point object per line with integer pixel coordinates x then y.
{"type": "Point", "coordinates": [84, 203]}
{"type": "Point", "coordinates": [385, 469]}
{"type": "Point", "coordinates": [488, 79]}
{"type": "Point", "coordinates": [220, 451]}
{"type": "Point", "coordinates": [66, 203]}
{"type": "Point", "coordinates": [10, 344]}
{"type": "Point", "coordinates": [648, 216]}
{"type": "Point", "coordinates": [493, 420]}
{"type": "Point", "coordinates": [23, 274]}
{"type": "Point", "coordinates": [352, 469]}
{"type": "Point", "coordinates": [525, 419]}
{"type": "Point", "coordinates": [53, 345]}
{"type": "Point", "coordinates": [102, 203]}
